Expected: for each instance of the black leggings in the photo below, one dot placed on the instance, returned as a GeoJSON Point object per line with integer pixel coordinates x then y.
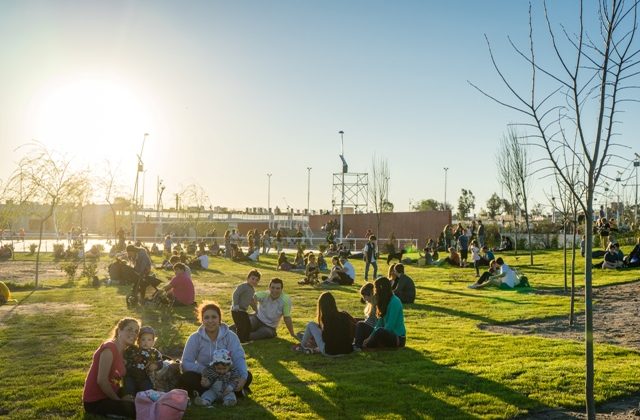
{"type": "Point", "coordinates": [108, 407]}
{"type": "Point", "coordinates": [385, 338]}
{"type": "Point", "coordinates": [243, 325]}
{"type": "Point", "coordinates": [363, 330]}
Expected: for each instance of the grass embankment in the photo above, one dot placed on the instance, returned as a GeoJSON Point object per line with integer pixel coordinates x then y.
{"type": "Point", "coordinates": [450, 368]}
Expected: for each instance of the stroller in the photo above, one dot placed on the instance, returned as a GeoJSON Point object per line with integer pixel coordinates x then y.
{"type": "Point", "coordinates": [145, 292]}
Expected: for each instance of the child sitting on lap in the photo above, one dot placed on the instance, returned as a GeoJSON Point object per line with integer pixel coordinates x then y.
{"type": "Point", "coordinates": [141, 361]}
{"type": "Point", "coordinates": [222, 378]}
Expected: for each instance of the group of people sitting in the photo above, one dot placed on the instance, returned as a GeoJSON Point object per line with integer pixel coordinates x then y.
{"type": "Point", "coordinates": [214, 368]}
{"type": "Point", "coordinates": [614, 258]}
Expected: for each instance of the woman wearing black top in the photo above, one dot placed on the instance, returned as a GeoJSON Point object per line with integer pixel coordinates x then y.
{"type": "Point", "coordinates": [333, 332]}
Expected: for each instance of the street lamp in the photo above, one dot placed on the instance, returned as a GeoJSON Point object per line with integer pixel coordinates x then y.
{"type": "Point", "coordinates": [345, 169]}
{"type": "Point", "coordinates": [308, 189]}
{"type": "Point", "coordinates": [446, 170]}
{"type": "Point", "coordinates": [269, 198]}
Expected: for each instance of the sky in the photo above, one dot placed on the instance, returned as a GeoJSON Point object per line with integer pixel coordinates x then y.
{"type": "Point", "coordinates": [230, 91]}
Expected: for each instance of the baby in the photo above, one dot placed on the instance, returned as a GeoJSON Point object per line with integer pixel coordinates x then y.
{"type": "Point", "coordinates": [221, 378]}
{"type": "Point", "coordinates": [141, 361]}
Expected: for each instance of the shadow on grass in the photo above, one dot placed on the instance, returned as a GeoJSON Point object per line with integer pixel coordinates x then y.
{"type": "Point", "coordinates": [451, 312]}
{"type": "Point", "coordinates": [475, 295]}
{"type": "Point", "coordinates": [381, 384]}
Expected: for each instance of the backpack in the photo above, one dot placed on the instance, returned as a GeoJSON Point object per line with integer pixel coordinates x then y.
{"type": "Point", "coordinates": [155, 405]}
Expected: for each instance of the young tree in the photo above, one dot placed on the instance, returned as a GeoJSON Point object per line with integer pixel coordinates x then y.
{"type": "Point", "coordinates": [110, 189]}
{"type": "Point", "coordinates": [493, 205]}
{"type": "Point", "coordinates": [42, 181]}
{"type": "Point", "coordinates": [466, 203]}
{"type": "Point", "coordinates": [591, 80]}
{"type": "Point", "coordinates": [514, 172]}
{"type": "Point", "coordinates": [379, 191]}
{"type": "Point", "coordinates": [195, 199]}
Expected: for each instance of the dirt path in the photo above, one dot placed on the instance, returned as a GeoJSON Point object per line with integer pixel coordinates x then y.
{"type": "Point", "coordinates": [616, 320]}
{"type": "Point", "coordinates": [23, 272]}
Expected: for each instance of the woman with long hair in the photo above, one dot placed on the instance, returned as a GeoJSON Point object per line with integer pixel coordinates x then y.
{"type": "Point", "coordinates": [102, 392]}
{"type": "Point", "coordinates": [389, 330]}
{"type": "Point", "coordinates": [331, 333]}
{"type": "Point", "coordinates": [365, 326]}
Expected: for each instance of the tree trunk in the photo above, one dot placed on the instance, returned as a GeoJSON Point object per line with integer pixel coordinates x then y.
{"type": "Point", "coordinates": [526, 220]}
{"type": "Point", "coordinates": [564, 248]}
{"type": "Point", "coordinates": [573, 272]}
{"type": "Point", "coordinates": [38, 253]}
{"type": "Point", "coordinates": [588, 310]}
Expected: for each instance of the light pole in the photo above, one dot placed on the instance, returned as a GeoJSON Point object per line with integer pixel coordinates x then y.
{"type": "Point", "coordinates": [308, 189]}
{"type": "Point", "coordinates": [386, 187]}
{"type": "Point", "coordinates": [134, 199]}
{"type": "Point", "coordinates": [345, 169]}
{"type": "Point", "coordinates": [269, 198]}
{"type": "Point", "coordinates": [446, 170]}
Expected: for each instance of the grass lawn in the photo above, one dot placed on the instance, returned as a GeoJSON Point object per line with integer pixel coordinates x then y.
{"type": "Point", "coordinates": [450, 368]}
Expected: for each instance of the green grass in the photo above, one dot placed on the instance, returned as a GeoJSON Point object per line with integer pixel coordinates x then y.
{"type": "Point", "coordinates": [450, 368]}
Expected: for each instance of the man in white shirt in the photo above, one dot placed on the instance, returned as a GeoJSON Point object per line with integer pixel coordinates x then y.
{"type": "Point", "coordinates": [506, 278]}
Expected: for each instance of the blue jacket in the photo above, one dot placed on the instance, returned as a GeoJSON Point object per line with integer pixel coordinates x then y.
{"type": "Point", "coordinates": [198, 352]}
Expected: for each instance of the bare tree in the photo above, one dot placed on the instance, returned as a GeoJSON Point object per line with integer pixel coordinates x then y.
{"type": "Point", "coordinates": [41, 182]}
{"type": "Point", "coordinates": [195, 199]}
{"type": "Point", "coordinates": [378, 194]}
{"type": "Point", "coordinates": [111, 189]}
{"type": "Point", "coordinates": [514, 171]}
{"type": "Point", "coordinates": [584, 95]}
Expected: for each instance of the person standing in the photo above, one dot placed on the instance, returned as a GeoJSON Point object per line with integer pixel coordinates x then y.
{"type": "Point", "coordinates": [370, 254]}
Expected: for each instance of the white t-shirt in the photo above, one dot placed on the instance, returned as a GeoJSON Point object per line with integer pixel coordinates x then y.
{"type": "Point", "coordinates": [509, 278]}
{"type": "Point", "coordinates": [349, 269]}
{"type": "Point", "coordinates": [204, 261]}
{"type": "Point", "coordinates": [475, 253]}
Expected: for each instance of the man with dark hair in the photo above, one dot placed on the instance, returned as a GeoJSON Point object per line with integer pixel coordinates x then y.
{"type": "Point", "coordinates": [272, 305]}
{"type": "Point", "coordinates": [505, 279]}
{"type": "Point", "coordinates": [180, 288]}
{"type": "Point", "coordinates": [241, 300]}
{"type": "Point", "coordinates": [370, 255]}
{"type": "Point", "coordinates": [404, 288]}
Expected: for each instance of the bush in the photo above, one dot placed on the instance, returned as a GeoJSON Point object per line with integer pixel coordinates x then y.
{"type": "Point", "coordinates": [32, 248]}
{"type": "Point", "coordinates": [70, 269]}
{"type": "Point", "coordinates": [90, 271]}
{"type": "Point", "coordinates": [58, 251]}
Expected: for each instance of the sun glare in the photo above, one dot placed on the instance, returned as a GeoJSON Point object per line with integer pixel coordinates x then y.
{"type": "Point", "coordinates": [90, 118]}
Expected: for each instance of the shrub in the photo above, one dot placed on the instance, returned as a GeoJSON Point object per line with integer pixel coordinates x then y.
{"type": "Point", "coordinates": [70, 269]}
{"type": "Point", "coordinates": [32, 248]}
{"type": "Point", "coordinates": [90, 271]}
{"type": "Point", "coordinates": [58, 251]}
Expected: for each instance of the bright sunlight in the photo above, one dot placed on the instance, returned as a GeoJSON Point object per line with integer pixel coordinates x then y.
{"type": "Point", "coordinates": [89, 116]}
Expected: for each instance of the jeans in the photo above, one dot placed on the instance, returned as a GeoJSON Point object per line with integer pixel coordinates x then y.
{"type": "Point", "coordinates": [216, 393]}
{"type": "Point", "coordinates": [313, 330]}
{"type": "Point", "coordinates": [260, 330]}
{"type": "Point", "coordinates": [190, 381]}
{"type": "Point", "coordinates": [366, 269]}
{"type": "Point", "coordinates": [133, 385]}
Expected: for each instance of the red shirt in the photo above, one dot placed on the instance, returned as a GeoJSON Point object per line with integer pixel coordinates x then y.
{"type": "Point", "coordinates": [92, 391]}
{"type": "Point", "coordinates": [182, 289]}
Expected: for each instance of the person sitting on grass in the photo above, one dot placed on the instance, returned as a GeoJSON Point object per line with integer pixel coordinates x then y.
{"type": "Point", "coordinates": [141, 361]}
{"type": "Point", "coordinates": [493, 269]}
{"type": "Point", "coordinates": [427, 257]}
{"type": "Point", "coordinates": [101, 393]}
{"type": "Point", "coordinates": [389, 330]}
{"type": "Point", "coordinates": [404, 287]}
{"type": "Point", "coordinates": [272, 306]}
{"type": "Point", "coordinates": [322, 263]}
{"type": "Point", "coordinates": [331, 333]}
{"type": "Point", "coordinates": [633, 259]}
{"type": "Point", "coordinates": [453, 258]}
{"type": "Point", "coordinates": [505, 279]}
{"type": "Point", "coordinates": [221, 378]}
{"type": "Point", "coordinates": [342, 272]}
{"type": "Point", "coordinates": [241, 300]}
{"type": "Point", "coordinates": [213, 334]}
{"type": "Point", "coordinates": [283, 262]}
{"type": "Point", "coordinates": [311, 271]}
{"type": "Point", "coordinates": [365, 326]}
{"type": "Point", "coordinates": [486, 257]}
{"type": "Point", "coordinates": [298, 261]}
{"type": "Point", "coordinates": [180, 288]}
{"type": "Point", "coordinates": [612, 258]}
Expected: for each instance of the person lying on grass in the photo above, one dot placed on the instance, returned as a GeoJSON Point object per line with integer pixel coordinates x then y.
{"type": "Point", "coordinates": [101, 394]}
{"type": "Point", "coordinates": [213, 334]}
{"type": "Point", "coordinates": [505, 279]}
{"type": "Point", "coordinates": [633, 259]}
{"type": "Point", "coordinates": [331, 333]}
{"type": "Point", "coordinates": [389, 331]}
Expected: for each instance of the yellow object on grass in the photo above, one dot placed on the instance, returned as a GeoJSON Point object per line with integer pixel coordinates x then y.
{"type": "Point", "coordinates": [5, 294]}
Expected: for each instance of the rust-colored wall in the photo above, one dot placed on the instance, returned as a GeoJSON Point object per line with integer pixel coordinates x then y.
{"type": "Point", "coordinates": [416, 224]}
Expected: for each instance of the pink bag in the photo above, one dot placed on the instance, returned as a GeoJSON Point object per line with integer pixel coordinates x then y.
{"type": "Point", "coordinates": [155, 405]}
